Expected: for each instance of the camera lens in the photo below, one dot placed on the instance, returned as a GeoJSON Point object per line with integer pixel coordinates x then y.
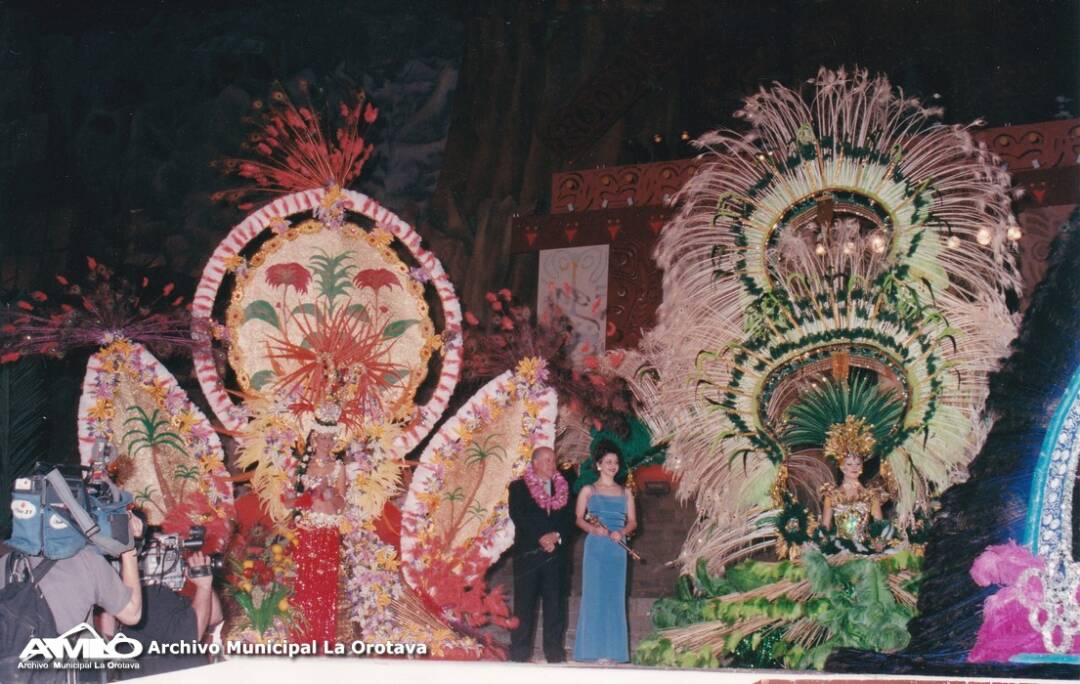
{"type": "Point", "coordinates": [195, 539]}
{"type": "Point", "coordinates": [214, 567]}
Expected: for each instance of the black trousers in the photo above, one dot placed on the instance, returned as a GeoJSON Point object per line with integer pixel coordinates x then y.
{"type": "Point", "coordinates": [543, 576]}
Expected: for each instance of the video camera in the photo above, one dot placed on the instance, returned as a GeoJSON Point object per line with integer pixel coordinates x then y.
{"type": "Point", "coordinates": [58, 509]}
{"type": "Point", "coordinates": [161, 558]}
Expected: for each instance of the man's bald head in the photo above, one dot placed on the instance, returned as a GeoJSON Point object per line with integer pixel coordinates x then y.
{"type": "Point", "coordinates": [543, 462]}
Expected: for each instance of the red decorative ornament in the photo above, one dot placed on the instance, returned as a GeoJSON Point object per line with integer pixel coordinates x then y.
{"type": "Point", "coordinates": [291, 274]}
{"type": "Point", "coordinates": [376, 279]}
{"type": "Point", "coordinates": [315, 594]}
{"type": "Point", "coordinates": [290, 151]}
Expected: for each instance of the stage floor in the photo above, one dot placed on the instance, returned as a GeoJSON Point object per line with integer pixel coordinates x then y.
{"type": "Point", "coordinates": [270, 670]}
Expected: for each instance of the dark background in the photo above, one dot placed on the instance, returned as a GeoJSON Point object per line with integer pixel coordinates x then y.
{"type": "Point", "coordinates": [111, 112]}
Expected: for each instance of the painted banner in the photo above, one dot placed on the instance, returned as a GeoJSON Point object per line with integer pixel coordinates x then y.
{"type": "Point", "coordinates": [575, 281]}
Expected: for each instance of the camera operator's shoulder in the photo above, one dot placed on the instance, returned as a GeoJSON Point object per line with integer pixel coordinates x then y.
{"type": "Point", "coordinates": [90, 561]}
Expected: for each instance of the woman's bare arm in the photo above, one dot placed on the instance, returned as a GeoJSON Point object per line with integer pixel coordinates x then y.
{"type": "Point", "coordinates": [826, 513]}
{"type": "Point", "coordinates": [582, 508]}
{"type": "Point", "coordinates": [631, 514]}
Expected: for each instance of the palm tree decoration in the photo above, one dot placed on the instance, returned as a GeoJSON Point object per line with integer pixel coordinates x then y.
{"type": "Point", "coordinates": [149, 433]}
{"type": "Point", "coordinates": [477, 512]}
{"type": "Point", "coordinates": [145, 496]}
{"type": "Point", "coordinates": [453, 497]}
{"type": "Point", "coordinates": [480, 452]}
{"type": "Point", "coordinates": [185, 474]}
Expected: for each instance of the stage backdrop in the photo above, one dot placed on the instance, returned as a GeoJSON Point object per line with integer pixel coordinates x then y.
{"type": "Point", "coordinates": [625, 207]}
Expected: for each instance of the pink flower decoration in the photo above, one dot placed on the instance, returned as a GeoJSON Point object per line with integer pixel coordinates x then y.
{"type": "Point", "coordinates": [290, 274]}
{"type": "Point", "coordinates": [1002, 564]}
{"type": "Point", "coordinates": [201, 431]}
{"type": "Point", "coordinates": [420, 274]}
{"type": "Point", "coordinates": [1006, 630]}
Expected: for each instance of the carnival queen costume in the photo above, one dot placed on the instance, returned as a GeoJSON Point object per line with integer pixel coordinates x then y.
{"type": "Point", "coordinates": [852, 508]}
{"type": "Point", "coordinates": [320, 514]}
{"type": "Point", "coordinates": [836, 276]}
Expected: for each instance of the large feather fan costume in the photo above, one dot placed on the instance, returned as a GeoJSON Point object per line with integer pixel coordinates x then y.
{"type": "Point", "coordinates": [849, 255]}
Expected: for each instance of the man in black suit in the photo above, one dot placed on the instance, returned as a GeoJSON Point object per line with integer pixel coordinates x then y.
{"type": "Point", "coordinates": [543, 518]}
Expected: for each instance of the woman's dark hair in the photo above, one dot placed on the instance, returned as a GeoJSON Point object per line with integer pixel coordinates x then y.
{"type": "Point", "coordinates": [606, 446]}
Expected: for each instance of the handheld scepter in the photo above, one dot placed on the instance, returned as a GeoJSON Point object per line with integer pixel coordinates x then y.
{"type": "Point", "coordinates": [593, 520]}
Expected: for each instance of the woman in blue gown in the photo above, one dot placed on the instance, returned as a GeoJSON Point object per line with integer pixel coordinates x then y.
{"type": "Point", "coordinates": [601, 628]}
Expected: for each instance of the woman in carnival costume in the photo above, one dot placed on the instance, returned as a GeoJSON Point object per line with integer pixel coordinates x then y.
{"type": "Point", "coordinates": [849, 511]}
{"type": "Point", "coordinates": [320, 506]}
{"type": "Point", "coordinates": [605, 510]}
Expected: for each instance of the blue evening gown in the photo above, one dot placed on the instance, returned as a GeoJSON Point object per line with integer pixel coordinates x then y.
{"type": "Point", "coordinates": [601, 627]}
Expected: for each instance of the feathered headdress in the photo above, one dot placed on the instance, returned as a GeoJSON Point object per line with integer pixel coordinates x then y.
{"type": "Point", "coordinates": [845, 224]}
{"type": "Point", "coordinates": [853, 436]}
{"type": "Point", "coordinates": [93, 312]}
{"type": "Point", "coordinates": [288, 150]}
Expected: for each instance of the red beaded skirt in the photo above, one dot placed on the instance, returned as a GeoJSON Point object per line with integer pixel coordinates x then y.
{"type": "Point", "coordinates": [318, 562]}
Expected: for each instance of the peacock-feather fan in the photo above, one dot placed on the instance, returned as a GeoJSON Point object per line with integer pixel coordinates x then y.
{"type": "Point", "coordinates": [847, 232]}
{"type": "Point", "coordinates": [809, 419]}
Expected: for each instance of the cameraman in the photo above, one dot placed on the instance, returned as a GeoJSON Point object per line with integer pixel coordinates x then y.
{"type": "Point", "coordinates": [75, 585]}
{"type": "Point", "coordinates": [170, 617]}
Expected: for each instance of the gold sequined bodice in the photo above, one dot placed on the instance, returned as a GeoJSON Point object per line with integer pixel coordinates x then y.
{"type": "Point", "coordinates": [851, 513]}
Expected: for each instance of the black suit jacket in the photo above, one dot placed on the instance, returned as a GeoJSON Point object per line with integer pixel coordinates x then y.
{"type": "Point", "coordinates": [532, 522]}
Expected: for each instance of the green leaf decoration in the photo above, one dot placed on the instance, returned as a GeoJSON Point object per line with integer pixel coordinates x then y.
{"type": "Point", "coordinates": [395, 376]}
{"type": "Point", "coordinates": [398, 328]}
{"type": "Point", "coordinates": [332, 274]}
{"type": "Point", "coordinates": [817, 571]}
{"type": "Point", "coordinates": [262, 310]}
{"type": "Point", "coordinates": [850, 599]}
{"type": "Point", "coordinates": [305, 309]}
{"type": "Point", "coordinates": [260, 379]}
{"type": "Point", "coordinates": [357, 310]}
{"type": "Point", "coordinates": [244, 599]}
